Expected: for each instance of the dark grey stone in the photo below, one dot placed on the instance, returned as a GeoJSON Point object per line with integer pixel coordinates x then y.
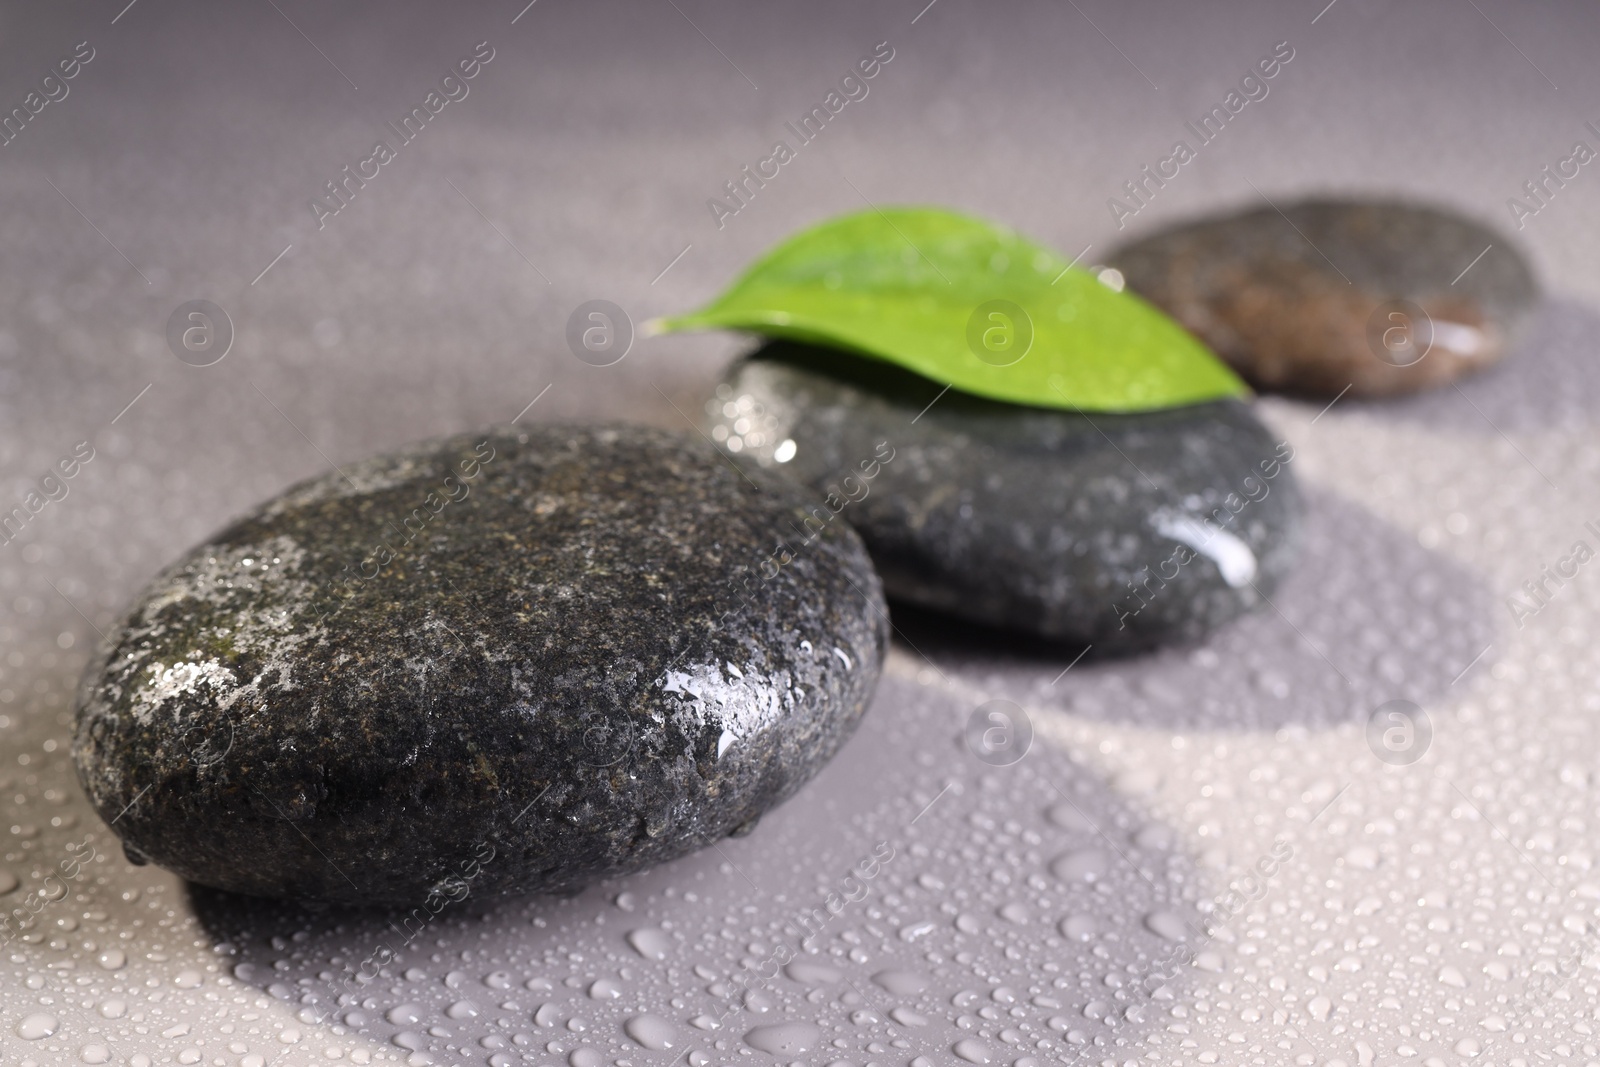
{"type": "Point", "coordinates": [1306, 301]}
{"type": "Point", "coordinates": [500, 662]}
{"type": "Point", "coordinates": [1119, 530]}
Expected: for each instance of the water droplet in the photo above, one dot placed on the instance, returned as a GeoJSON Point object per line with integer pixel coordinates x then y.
{"type": "Point", "coordinates": [901, 983]}
{"type": "Point", "coordinates": [650, 943]}
{"type": "Point", "coordinates": [114, 959]}
{"type": "Point", "coordinates": [652, 1031]}
{"type": "Point", "coordinates": [94, 1054]}
{"type": "Point", "coordinates": [37, 1025]}
{"type": "Point", "coordinates": [1068, 817]}
{"type": "Point", "coordinates": [404, 1015]}
{"type": "Point", "coordinates": [8, 882]}
{"type": "Point", "coordinates": [971, 1050]}
{"type": "Point", "coordinates": [463, 1009]}
{"type": "Point", "coordinates": [584, 1056]}
{"type": "Point", "coordinates": [1166, 924]}
{"type": "Point", "coordinates": [604, 989]}
{"type": "Point", "coordinates": [1077, 928]}
{"type": "Point", "coordinates": [1083, 865]}
{"type": "Point", "coordinates": [808, 973]}
{"type": "Point", "coordinates": [784, 1039]}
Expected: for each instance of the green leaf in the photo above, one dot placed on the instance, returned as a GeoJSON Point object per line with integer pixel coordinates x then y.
{"type": "Point", "coordinates": [971, 305]}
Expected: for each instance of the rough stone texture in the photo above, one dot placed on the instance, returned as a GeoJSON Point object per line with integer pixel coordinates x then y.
{"type": "Point", "coordinates": [510, 661]}
{"type": "Point", "coordinates": [1031, 519]}
{"type": "Point", "coordinates": [1298, 301]}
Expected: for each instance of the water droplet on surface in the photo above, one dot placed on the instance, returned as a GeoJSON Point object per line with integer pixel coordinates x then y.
{"type": "Point", "coordinates": [1068, 817]}
{"type": "Point", "coordinates": [94, 1054]}
{"type": "Point", "coordinates": [38, 1025]}
{"type": "Point", "coordinates": [462, 1010]}
{"type": "Point", "coordinates": [1077, 928]}
{"type": "Point", "coordinates": [901, 983]}
{"type": "Point", "coordinates": [652, 1031]}
{"type": "Point", "coordinates": [1167, 924]}
{"type": "Point", "coordinates": [808, 973]}
{"type": "Point", "coordinates": [971, 1050]}
{"type": "Point", "coordinates": [584, 1056]}
{"type": "Point", "coordinates": [1083, 865]}
{"type": "Point", "coordinates": [404, 1015]}
{"type": "Point", "coordinates": [784, 1039]}
{"type": "Point", "coordinates": [114, 959]}
{"type": "Point", "coordinates": [604, 989]}
{"type": "Point", "coordinates": [651, 943]}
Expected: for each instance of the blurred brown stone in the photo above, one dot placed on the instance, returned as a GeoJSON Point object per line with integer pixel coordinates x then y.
{"type": "Point", "coordinates": [1330, 295]}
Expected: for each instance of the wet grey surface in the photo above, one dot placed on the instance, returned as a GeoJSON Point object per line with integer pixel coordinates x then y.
{"type": "Point", "coordinates": [1430, 909]}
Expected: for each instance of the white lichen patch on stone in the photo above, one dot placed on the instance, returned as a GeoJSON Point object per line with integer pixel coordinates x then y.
{"type": "Point", "coordinates": [253, 590]}
{"type": "Point", "coordinates": [267, 566]}
{"type": "Point", "coordinates": [743, 702]}
{"type": "Point", "coordinates": [181, 679]}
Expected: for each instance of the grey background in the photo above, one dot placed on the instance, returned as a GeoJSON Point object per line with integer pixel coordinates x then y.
{"type": "Point", "coordinates": [183, 161]}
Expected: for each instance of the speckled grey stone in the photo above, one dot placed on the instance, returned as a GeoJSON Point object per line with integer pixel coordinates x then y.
{"type": "Point", "coordinates": [518, 660]}
{"type": "Point", "coordinates": [1305, 301]}
{"type": "Point", "coordinates": [1123, 531]}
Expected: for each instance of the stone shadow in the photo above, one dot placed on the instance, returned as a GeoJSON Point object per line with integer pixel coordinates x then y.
{"type": "Point", "coordinates": [1549, 377]}
{"type": "Point", "coordinates": [1366, 616]}
{"type": "Point", "coordinates": [938, 866]}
